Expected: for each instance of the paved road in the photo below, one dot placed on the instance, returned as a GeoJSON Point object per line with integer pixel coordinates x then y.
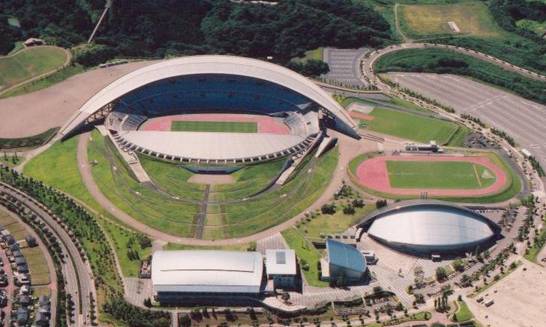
{"type": "Point", "coordinates": [347, 149]}
{"type": "Point", "coordinates": [38, 111]}
{"type": "Point", "coordinates": [77, 272]}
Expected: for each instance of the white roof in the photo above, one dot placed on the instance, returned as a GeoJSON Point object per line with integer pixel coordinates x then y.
{"type": "Point", "coordinates": [207, 271]}
{"type": "Point", "coordinates": [431, 226]}
{"type": "Point", "coordinates": [212, 146]}
{"type": "Point", "coordinates": [208, 64]}
{"type": "Point", "coordinates": [280, 262]}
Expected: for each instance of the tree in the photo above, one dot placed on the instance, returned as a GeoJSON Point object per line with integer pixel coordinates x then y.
{"type": "Point", "coordinates": [441, 274]}
{"type": "Point", "coordinates": [458, 265]}
{"type": "Point", "coordinates": [328, 208]}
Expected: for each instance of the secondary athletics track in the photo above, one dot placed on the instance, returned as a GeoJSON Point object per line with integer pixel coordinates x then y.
{"type": "Point", "coordinates": [265, 124]}
{"type": "Point", "coordinates": [373, 174]}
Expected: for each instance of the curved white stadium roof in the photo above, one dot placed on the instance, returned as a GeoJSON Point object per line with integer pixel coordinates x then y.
{"type": "Point", "coordinates": [207, 271]}
{"type": "Point", "coordinates": [431, 226]}
{"type": "Point", "coordinates": [208, 64]}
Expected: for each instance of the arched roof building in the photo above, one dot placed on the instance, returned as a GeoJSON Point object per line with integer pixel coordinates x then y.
{"type": "Point", "coordinates": [430, 227]}
{"type": "Point", "coordinates": [184, 67]}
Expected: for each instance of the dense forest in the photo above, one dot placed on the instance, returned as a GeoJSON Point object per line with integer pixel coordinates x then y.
{"type": "Point", "coordinates": [159, 28]}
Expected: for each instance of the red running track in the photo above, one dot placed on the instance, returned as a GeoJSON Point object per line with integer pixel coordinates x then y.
{"type": "Point", "coordinates": [265, 124]}
{"type": "Point", "coordinates": [373, 174]}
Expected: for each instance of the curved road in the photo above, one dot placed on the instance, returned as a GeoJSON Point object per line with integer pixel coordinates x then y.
{"type": "Point", "coordinates": [77, 272]}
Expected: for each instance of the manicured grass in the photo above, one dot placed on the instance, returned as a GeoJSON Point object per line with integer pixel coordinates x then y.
{"type": "Point", "coordinates": [249, 180]}
{"type": "Point", "coordinates": [163, 212]}
{"type": "Point", "coordinates": [443, 175]}
{"type": "Point", "coordinates": [29, 63]}
{"type": "Point", "coordinates": [37, 265]}
{"type": "Point", "coordinates": [172, 178]}
{"type": "Point", "coordinates": [472, 18]}
{"type": "Point", "coordinates": [463, 313]}
{"type": "Point", "coordinates": [58, 167]}
{"type": "Point", "coordinates": [233, 247]}
{"type": "Point", "coordinates": [316, 228]}
{"type": "Point", "coordinates": [43, 83]}
{"type": "Point", "coordinates": [306, 252]}
{"type": "Point", "coordinates": [214, 126]}
{"type": "Point", "coordinates": [142, 202]}
{"type": "Point", "coordinates": [28, 142]}
{"type": "Point", "coordinates": [315, 54]}
{"type": "Point", "coordinates": [410, 126]}
{"type": "Point", "coordinates": [15, 228]}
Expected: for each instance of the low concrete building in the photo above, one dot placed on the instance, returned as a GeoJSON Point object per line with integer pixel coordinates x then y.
{"type": "Point", "coordinates": [281, 267]}
{"type": "Point", "coordinates": [178, 274]}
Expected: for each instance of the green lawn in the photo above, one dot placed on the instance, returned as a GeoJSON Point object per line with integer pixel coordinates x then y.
{"type": "Point", "coordinates": [428, 20]}
{"type": "Point", "coordinates": [29, 63]}
{"type": "Point", "coordinates": [306, 252]}
{"type": "Point", "coordinates": [444, 175]}
{"type": "Point", "coordinates": [410, 126]}
{"type": "Point", "coordinates": [58, 168]}
{"type": "Point", "coordinates": [463, 313]}
{"type": "Point", "coordinates": [37, 265]}
{"type": "Point", "coordinates": [163, 212]}
{"type": "Point", "coordinates": [172, 178]}
{"type": "Point", "coordinates": [214, 126]}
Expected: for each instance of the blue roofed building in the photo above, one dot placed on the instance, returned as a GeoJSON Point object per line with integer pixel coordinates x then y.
{"type": "Point", "coordinates": [344, 264]}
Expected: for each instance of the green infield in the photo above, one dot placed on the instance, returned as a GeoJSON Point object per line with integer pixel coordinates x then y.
{"type": "Point", "coordinates": [214, 126]}
{"type": "Point", "coordinates": [439, 175]}
{"type": "Point", "coordinates": [29, 63]}
{"type": "Point", "coordinates": [416, 127]}
{"type": "Point", "coordinates": [432, 20]}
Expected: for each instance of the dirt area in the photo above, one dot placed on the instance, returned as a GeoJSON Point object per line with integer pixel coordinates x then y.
{"type": "Point", "coordinates": [517, 299]}
{"type": "Point", "coordinates": [36, 112]}
{"type": "Point", "coordinates": [211, 179]}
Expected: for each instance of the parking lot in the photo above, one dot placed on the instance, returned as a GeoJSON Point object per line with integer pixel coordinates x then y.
{"type": "Point", "coordinates": [516, 299]}
{"type": "Point", "coordinates": [520, 118]}
{"type": "Point", "coordinates": [344, 65]}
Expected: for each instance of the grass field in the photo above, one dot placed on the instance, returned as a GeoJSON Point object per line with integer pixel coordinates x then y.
{"type": "Point", "coordinates": [463, 313]}
{"type": "Point", "coordinates": [58, 168]}
{"type": "Point", "coordinates": [37, 265]}
{"type": "Point", "coordinates": [410, 126]}
{"type": "Point", "coordinates": [444, 175]}
{"type": "Point", "coordinates": [306, 252]}
{"type": "Point", "coordinates": [163, 212]}
{"type": "Point", "coordinates": [29, 63]}
{"type": "Point", "coordinates": [431, 20]}
{"type": "Point", "coordinates": [214, 126]}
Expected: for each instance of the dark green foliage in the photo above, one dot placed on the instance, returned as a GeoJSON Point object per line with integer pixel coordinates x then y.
{"type": "Point", "coordinates": [312, 67]}
{"type": "Point", "coordinates": [94, 54]}
{"type": "Point", "coordinates": [444, 61]}
{"type": "Point", "coordinates": [28, 142]}
{"type": "Point", "coordinates": [134, 316]}
{"type": "Point", "coordinates": [328, 209]}
{"type": "Point", "coordinates": [172, 27]}
{"type": "Point", "coordinates": [8, 35]}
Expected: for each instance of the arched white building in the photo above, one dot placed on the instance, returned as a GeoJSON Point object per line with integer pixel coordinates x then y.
{"type": "Point", "coordinates": [213, 84]}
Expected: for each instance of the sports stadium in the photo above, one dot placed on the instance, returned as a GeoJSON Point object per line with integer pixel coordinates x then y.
{"type": "Point", "coordinates": [428, 227]}
{"type": "Point", "coordinates": [213, 111]}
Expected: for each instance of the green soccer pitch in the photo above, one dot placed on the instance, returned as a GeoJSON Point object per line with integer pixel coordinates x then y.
{"type": "Point", "coordinates": [440, 175]}
{"type": "Point", "coordinates": [214, 126]}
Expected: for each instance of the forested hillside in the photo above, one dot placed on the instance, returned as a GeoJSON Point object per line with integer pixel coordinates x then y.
{"type": "Point", "coordinates": [171, 27]}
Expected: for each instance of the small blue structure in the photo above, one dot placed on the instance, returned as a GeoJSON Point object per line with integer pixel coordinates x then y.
{"type": "Point", "coordinates": [346, 264]}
